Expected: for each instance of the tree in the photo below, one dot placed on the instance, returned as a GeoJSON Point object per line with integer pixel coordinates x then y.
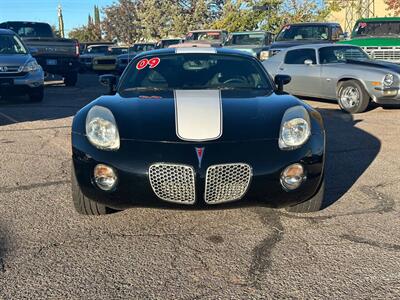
{"type": "Point", "coordinates": [393, 5]}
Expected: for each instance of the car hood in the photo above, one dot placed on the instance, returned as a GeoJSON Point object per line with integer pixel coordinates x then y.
{"type": "Point", "coordinates": [90, 55]}
{"type": "Point", "coordinates": [376, 64]}
{"type": "Point", "coordinates": [14, 60]}
{"type": "Point", "coordinates": [374, 41]}
{"type": "Point", "coordinates": [253, 49]}
{"type": "Point", "coordinates": [287, 44]}
{"type": "Point", "coordinates": [154, 117]}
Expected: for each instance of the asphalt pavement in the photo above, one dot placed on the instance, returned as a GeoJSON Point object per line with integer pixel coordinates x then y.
{"type": "Point", "coordinates": [349, 250]}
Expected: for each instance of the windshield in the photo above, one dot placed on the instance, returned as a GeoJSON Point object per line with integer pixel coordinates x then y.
{"type": "Point", "coordinates": [204, 36]}
{"type": "Point", "coordinates": [118, 51]}
{"type": "Point", "coordinates": [167, 43]}
{"type": "Point", "coordinates": [194, 71]}
{"type": "Point", "coordinates": [247, 39]}
{"type": "Point", "coordinates": [331, 55]}
{"type": "Point", "coordinates": [97, 50]}
{"type": "Point", "coordinates": [385, 28]}
{"type": "Point", "coordinates": [303, 32]}
{"type": "Point", "coordinates": [141, 47]}
{"type": "Point", "coordinates": [31, 29]}
{"type": "Point", "coordinates": [11, 44]}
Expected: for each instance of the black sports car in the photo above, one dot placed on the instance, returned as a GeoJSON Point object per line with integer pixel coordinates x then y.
{"type": "Point", "coordinates": [197, 126]}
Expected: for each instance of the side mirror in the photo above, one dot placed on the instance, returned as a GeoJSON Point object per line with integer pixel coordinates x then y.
{"type": "Point", "coordinates": [281, 80]}
{"type": "Point", "coordinates": [308, 62]}
{"type": "Point", "coordinates": [34, 51]}
{"type": "Point", "coordinates": [110, 81]}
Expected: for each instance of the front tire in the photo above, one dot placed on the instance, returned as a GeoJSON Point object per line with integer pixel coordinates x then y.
{"type": "Point", "coordinates": [71, 79]}
{"type": "Point", "coordinates": [312, 205]}
{"type": "Point", "coordinates": [36, 94]}
{"type": "Point", "coordinates": [352, 97]}
{"type": "Point", "coordinates": [83, 204]}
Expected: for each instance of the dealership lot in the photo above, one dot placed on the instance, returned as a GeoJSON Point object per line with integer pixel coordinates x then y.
{"type": "Point", "coordinates": [349, 250]}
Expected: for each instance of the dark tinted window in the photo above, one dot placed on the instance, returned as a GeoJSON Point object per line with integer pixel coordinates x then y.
{"type": "Point", "coordinates": [303, 32]}
{"type": "Point", "coordinates": [336, 33]}
{"type": "Point", "coordinates": [331, 55]}
{"type": "Point", "coordinates": [11, 44]}
{"type": "Point", "coordinates": [383, 28]}
{"type": "Point", "coordinates": [204, 36]}
{"type": "Point", "coordinates": [98, 49]}
{"type": "Point", "coordinates": [297, 57]}
{"type": "Point", "coordinates": [195, 71]}
{"type": "Point", "coordinates": [247, 39]}
{"type": "Point", "coordinates": [31, 29]}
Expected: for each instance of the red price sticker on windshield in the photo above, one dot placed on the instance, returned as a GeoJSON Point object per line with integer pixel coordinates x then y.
{"type": "Point", "coordinates": [152, 63]}
{"type": "Point", "coordinates": [363, 25]}
{"type": "Point", "coordinates": [142, 64]}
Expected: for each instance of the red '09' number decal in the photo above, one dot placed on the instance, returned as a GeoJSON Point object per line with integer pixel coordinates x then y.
{"type": "Point", "coordinates": [154, 62]}
{"type": "Point", "coordinates": [142, 64]}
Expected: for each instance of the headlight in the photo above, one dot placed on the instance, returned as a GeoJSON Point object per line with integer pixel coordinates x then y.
{"type": "Point", "coordinates": [101, 129]}
{"type": "Point", "coordinates": [295, 128]}
{"type": "Point", "coordinates": [388, 80]}
{"type": "Point", "coordinates": [95, 62]}
{"type": "Point", "coordinates": [264, 55]}
{"type": "Point", "coordinates": [30, 66]}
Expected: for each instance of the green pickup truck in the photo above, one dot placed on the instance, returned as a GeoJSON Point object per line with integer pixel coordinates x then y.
{"type": "Point", "coordinates": [379, 37]}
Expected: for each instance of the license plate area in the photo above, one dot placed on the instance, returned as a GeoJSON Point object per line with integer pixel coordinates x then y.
{"type": "Point", "coordinates": [6, 81]}
{"type": "Point", "coordinates": [51, 62]}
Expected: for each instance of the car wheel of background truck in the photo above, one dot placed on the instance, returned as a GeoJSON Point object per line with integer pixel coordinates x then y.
{"type": "Point", "coordinates": [353, 98]}
{"type": "Point", "coordinates": [71, 79]}
{"type": "Point", "coordinates": [312, 205]}
{"type": "Point", "coordinates": [36, 94]}
{"type": "Point", "coordinates": [84, 205]}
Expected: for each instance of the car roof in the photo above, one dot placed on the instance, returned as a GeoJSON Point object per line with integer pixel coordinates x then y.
{"type": "Point", "coordinates": [248, 32]}
{"type": "Point", "coordinates": [167, 51]}
{"type": "Point", "coordinates": [6, 31]}
{"type": "Point", "coordinates": [314, 23]}
{"type": "Point", "coordinates": [388, 19]}
{"type": "Point", "coordinates": [208, 30]}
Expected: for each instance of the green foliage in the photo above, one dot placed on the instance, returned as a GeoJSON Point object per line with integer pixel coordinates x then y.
{"type": "Point", "coordinates": [130, 21]}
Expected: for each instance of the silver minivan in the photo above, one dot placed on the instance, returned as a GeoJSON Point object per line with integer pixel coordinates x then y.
{"type": "Point", "coordinates": [19, 71]}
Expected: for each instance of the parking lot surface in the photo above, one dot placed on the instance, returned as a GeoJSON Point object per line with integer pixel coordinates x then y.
{"type": "Point", "coordinates": [349, 250]}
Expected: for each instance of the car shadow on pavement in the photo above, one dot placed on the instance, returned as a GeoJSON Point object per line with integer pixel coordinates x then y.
{"type": "Point", "coordinates": [350, 151]}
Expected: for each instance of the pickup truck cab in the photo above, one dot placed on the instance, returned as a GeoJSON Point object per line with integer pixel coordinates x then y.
{"type": "Point", "coordinates": [57, 56]}
{"type": "Point", "coordinates": [379, 37]}
{"type": "Point", "coordinates": [305, 33]}
{"type": "Point", "coordinates": [19, 71]}
{"type": "Point", "coordinates": [254, 42]}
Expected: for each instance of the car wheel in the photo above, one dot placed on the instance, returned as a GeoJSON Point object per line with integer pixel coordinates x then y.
{"type": "Point", "coordinates": [36, 94]}
{"type": "Point", "coordinates": [312, 205]}
{"type": "Point", "coordinates": [71, 79]}
{"type": "Point", "coordinates": [83, 204]}
{"type": "Point", "coordinates": [353, 98]}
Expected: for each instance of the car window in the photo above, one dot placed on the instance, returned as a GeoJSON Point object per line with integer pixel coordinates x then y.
{"type": "Point", "coordinates": [377, 28]}
{"type": "Point", "coordinates": [11, 44]}
{"type": "Point", "coordinates": [298, 56]}
{"type": "Point", "coordinates": [331, 55]}
{"type": "Point", "coordinates": [336, 33]}
{"type": "Point", "coordinates": [303, 32]}
{"type": "Point", "coordinates": [247, 39]}
{"type": "Point", "coordinates": [195, 71]}
{"type": "Point", "coordinates": [31, 29]}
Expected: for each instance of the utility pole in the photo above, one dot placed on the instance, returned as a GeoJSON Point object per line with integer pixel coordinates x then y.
{"type": "Point", "coordinates": [60, 21]}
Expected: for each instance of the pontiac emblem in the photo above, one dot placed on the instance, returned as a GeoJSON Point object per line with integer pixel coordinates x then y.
{"type": "Point", "coordinates": [3, 69]}
{"type": "Point", "coordinates": [200, 153]}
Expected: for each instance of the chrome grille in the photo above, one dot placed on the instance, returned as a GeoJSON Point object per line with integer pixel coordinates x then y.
{"type": "Point", "coordinates": [173, 183]}
{"type": "Point", "coordinates": [391, 54]}
{"type": "Point", "coordinates": [227, 182]}
{"type": "Point", "coordinates": [106, 61]}
{"type": "Point", "coordinates": [10, 69]}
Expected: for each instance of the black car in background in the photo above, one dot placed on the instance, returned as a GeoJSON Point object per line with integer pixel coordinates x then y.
{"type": "Point", "coordinates": [56, 55]}
{"type": "Point", "coordinates": [305, 33]}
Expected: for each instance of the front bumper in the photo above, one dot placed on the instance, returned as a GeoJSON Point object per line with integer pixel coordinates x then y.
{"type": "Point", "coordinates": [133, 160]}
{"type": "Point", "coordinates": [386, 95]}
{"type": "Point", "coordinates": [104, 67]}
{"type": "Point", "coordinates": [21, 84]}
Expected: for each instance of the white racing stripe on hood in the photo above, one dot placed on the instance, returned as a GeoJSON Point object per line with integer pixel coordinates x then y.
{"type": "Point", "coordinates": [198, 114]}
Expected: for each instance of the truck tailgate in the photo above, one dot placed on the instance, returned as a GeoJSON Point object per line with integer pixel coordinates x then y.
{"type": "Point", "coordinates": [52, 47]}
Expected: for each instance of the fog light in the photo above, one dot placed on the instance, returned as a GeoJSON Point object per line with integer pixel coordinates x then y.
{"type": "Point", "coordinates": [105, 177]}
{"type": "Point", "coordinates": [293, 176]}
